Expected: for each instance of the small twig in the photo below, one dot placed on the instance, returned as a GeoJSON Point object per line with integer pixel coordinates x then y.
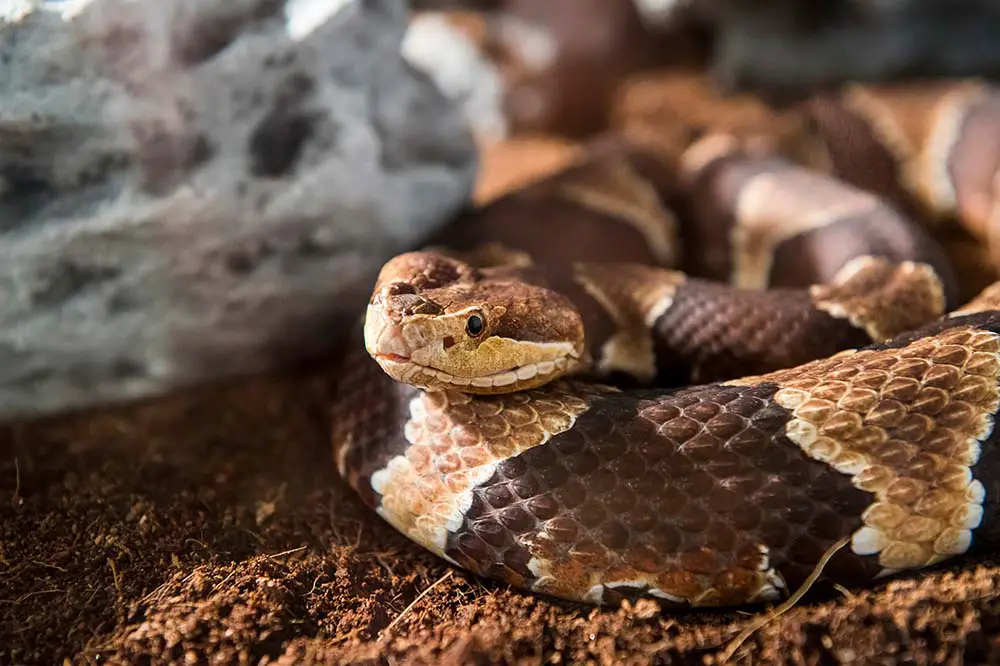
{"type": "Point", "coordinates": [118, 584]}
{"type": "Point", "coordinates": [778, 611]}
{"type": "Point", "coordinates": [844, 591]}
{"type": "Point", "coordinates": [17, 481]}
{"type": "Point", "coordinates": [114, 576]}
{"type": "Point", "coordinates": [413, 603]}
{"type": "Point", "coordinates": [153, 593]}
{"type": "Point", "coordinates": [27, 596]}
{"type": "Point", "coordinates": [50, 566]}
{"type": "Point", "coordinates": [286, 552]}
{"type": "Point", "coordinates": [157, 593]}
{"type": "Point", "coordinates": [222, 582]}
{"type": "Point", "coordinates": [315, 583]}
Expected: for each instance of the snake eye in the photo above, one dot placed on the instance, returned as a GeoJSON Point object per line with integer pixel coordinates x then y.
{"type": "Point", "coordinates": [475, 325]}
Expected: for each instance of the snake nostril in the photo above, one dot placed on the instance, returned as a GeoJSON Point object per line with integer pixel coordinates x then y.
{"type": "Point", "coordinates": [400, 289]}
{"type": "Point", "coordinates": [448, 342]}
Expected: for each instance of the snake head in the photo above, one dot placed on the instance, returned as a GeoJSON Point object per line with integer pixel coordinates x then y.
{"type": "Point", "coordinates": [439, 323]}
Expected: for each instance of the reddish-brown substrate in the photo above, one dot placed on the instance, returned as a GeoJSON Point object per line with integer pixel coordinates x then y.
{"type": "Point", "coordinates": [210, 527]}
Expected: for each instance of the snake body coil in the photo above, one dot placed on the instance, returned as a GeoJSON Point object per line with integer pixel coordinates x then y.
{"type": "Point", "coordinates": [688, 380]}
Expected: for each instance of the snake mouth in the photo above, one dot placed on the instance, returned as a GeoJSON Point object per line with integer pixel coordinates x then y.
{"type": "Point", "coordinates": [394, 358]}
{"type": "Point", "coordinates": [528, 373]}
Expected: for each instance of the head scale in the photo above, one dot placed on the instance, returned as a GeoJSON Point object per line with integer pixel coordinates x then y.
{"type": "Point", "coordinates": [438, 323]}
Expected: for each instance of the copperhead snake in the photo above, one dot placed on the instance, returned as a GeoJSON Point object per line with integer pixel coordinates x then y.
{"type": "Point", "coordinates": [687, 380]}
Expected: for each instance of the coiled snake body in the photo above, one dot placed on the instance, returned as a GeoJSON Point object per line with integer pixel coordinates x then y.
{"type": "Point", "coordinates": [689, 380]}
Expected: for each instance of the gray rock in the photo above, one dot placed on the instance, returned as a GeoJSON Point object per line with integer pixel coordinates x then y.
{"type": "Point", "coordinates": [187, 192]}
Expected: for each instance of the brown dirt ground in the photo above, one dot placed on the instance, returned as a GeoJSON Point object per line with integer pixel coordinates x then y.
{"type": "Point", "coordinates": [209, 527]}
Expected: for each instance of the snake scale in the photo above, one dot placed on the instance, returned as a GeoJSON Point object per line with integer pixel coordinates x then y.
{"type": "Point", "coordinates": [688, 379]}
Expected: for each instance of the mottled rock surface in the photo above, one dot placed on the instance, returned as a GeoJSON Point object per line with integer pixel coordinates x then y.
{"type": "Point", "coordinates": [192, 189]}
